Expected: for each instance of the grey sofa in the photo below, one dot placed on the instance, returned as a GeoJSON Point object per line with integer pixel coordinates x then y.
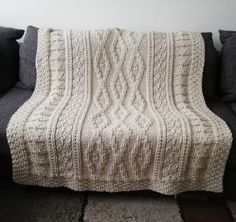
{"type": "Point", "coordinates": [12, 98]}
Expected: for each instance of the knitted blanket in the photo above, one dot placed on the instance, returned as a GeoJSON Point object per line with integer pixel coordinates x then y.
{"type": "Point", "coordinates": [116, 110]}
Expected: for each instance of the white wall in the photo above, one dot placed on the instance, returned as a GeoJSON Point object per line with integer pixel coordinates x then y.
{"type": "Point", "coordinates": [161, 15]}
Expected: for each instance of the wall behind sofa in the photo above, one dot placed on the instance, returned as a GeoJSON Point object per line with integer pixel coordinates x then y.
{"type": "Point", "coordinates": [162, 15]}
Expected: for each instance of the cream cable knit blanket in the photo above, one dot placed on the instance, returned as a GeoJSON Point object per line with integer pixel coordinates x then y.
{"type": "Point", "coordinates": [115, 110]}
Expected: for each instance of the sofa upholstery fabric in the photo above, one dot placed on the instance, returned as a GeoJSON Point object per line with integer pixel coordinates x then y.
{"type": "Point", "coordinates": [228, 66]}
{"type": "Point", "coordinates": [211, 67]}
{"type": "Point", "coordinates": [27, 58]}
{"type": "Point", "coordinates": [9, 57]}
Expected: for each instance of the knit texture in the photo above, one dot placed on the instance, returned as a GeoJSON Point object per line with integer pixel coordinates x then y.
{"type": "Point", "coordinates": [116, 110]}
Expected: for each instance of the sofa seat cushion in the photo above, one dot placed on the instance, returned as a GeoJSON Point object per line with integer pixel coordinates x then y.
{"type": "Point", "coordinates": [222, 110]}
{"type": "Point", "coordinates": [9, 103]}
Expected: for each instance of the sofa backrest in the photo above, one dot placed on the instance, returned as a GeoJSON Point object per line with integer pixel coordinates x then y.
{"type": "Point", "coordinates": [9, 57]}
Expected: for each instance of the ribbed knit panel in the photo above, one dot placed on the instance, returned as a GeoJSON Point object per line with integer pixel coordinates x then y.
{"type": "Point", "coordinates": [116, 110]}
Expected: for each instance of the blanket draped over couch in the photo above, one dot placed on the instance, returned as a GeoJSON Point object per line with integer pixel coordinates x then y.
{"type": "Point", "coordinates": [116, 110]}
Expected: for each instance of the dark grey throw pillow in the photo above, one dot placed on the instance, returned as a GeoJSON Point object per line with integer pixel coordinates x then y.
{"type": "Point", "coordinates": [228, 65]}
{"type": "Point", "coordinates": [9, 57]}
{"type": "Point", "coordinates": [211, 68]}
{"type": "Point", "coordinates": [27, 58]}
